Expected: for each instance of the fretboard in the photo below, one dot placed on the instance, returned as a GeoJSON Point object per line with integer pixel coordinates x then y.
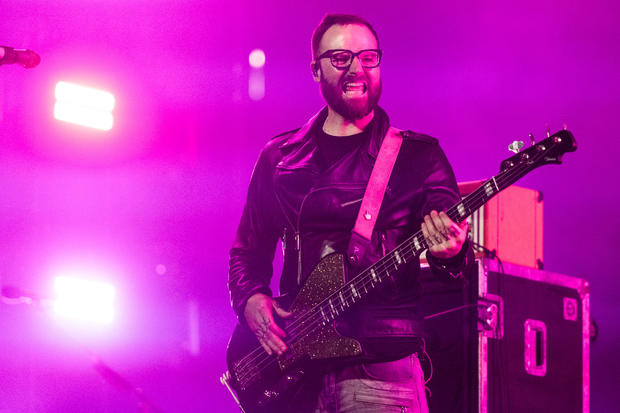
{"type": "Point", "coordinates": [362, 284]}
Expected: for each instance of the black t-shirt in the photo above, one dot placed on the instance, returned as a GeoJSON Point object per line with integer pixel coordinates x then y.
{"type": "Point", "coordinates": [333, 148]}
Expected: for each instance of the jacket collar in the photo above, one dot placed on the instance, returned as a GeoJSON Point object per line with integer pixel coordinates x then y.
{"type": "Point", "coordinates": [300, 148]}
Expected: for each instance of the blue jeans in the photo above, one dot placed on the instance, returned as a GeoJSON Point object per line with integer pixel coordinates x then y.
{"type": "Point", "coordinates": [396, 386]}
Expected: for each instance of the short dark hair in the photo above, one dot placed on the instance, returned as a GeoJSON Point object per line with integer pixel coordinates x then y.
{"type": "Point", "coordinates": [330, 20]}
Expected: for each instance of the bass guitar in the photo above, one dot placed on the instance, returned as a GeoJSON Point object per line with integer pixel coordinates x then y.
{"type": "Point", "coordinates": [259, 382]}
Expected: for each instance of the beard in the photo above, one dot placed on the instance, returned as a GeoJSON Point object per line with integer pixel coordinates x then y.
{"type": "Point", "coordinates": [354, 108]}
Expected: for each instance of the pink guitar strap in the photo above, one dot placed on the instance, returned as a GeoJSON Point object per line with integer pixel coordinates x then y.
{"type": "Point", "coordinates": [373, 197]}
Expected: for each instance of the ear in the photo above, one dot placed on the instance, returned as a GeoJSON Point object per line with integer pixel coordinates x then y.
{"type": "Point", "coordinates": [316, 70]}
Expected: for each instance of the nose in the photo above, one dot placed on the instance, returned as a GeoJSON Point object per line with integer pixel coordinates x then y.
{"type": "Point", "coordinates": [356, 65]}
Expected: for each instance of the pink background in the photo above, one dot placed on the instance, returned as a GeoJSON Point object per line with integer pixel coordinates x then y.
{"type": "Point", "coordinates": [167, 184]}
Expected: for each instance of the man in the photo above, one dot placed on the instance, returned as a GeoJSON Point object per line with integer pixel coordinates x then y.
{"type": "Point", "coordinates": [306, 188]}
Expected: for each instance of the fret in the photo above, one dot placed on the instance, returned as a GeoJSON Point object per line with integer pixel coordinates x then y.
{"type": "Point", "coordinates": [373, 273]}
{"type": "Point", "coordinates": [488, 190]}
{"type": "Point", "coordinates": [325, 319]}
{"type": "Point", "coordinates": [344, 303]}
{"type": "Point", "coordinates": [461, 210]}
{"type": "Point", "coordinates": [334, 312]}
{"type": "Point", "coordinates": [354, 291]}
{"type": "Point", "coordinates": [496, 187]}
{"type": "Point", "coordinates": [397, 256]}
{"type": "Point", "coordinates": [416, 244]}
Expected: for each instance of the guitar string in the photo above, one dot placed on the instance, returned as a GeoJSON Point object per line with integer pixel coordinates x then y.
{"type": "Point", "coordinates": [388, 260]}
{"type": "Point", "coordinates": [381, 274]}
{"type": "Point", "coordinates": [386, 264]}
{"type": "Point", "coordinates": [301, 320]}
{"type": "Point", "coordinates": [502, 177]}
{"type": "Point", "coordinates": [482, 194]}
{"type": "Point", "coordinates": [260, 365]}
{"type": "Point", "coordinates": [292, 328]}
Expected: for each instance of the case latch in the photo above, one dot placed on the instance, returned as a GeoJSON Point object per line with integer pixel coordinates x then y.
{"type": "Point", "coordinates": [491, 316]}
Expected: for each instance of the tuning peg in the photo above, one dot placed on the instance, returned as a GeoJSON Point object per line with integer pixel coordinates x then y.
{"type": "Point", "coordinates": [533, 142]}
{"type": "Point", "coordinates": [548, 129]}
{"type": "Point", "coordinates": [564, 126]}
{"type": "Point", "coordinates": [515, 146]}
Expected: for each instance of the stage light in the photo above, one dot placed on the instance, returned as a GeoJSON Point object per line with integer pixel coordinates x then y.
{"type": "Point", "coordinates": [84, 96]}
{"type": "Point", "coordinates": [84, 106]}
{"type": "Point", "coordinates": [83, 116]}
{"type": "Point", "coordinates": [257, 58]}
{"type": "Point", "coordinates": [83, 300]}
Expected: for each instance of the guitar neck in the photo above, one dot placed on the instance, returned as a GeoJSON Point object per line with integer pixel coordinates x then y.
{"type": "Point", "coordinates": [362, 284]}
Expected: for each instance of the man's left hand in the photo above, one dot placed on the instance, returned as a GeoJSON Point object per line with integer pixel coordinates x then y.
{"type": "Point", "coordinates": [444, 237]}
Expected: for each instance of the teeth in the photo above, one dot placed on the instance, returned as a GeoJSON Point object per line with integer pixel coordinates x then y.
{"type": "Point", "coordinates": [354, 86]}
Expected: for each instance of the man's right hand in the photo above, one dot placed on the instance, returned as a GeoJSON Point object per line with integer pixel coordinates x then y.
{"type": "Point", "coordinates": [258, 314]}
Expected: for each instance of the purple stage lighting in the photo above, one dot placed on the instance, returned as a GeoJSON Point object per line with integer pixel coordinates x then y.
{"type": "Point", "coordinates": [256, 80]}
{"type": "Point", "coordinates": [84, 106]}
{"type": "Point", "coordinates": [84, 300]}
{"type": "Point", "coordinates": [257, 58]}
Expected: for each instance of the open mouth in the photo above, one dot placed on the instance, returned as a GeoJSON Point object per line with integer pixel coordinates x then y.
{"type": "Point", "coordinates": [354, 88]}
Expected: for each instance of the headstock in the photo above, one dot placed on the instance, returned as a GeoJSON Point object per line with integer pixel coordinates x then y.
{"type": "Point", "coordinates": [547, 151]}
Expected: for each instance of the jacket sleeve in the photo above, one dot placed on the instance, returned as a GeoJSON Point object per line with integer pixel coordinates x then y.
{"type": "Point", "coordinates": [440, 193]}
{"type": "Point", "coordinates": [251, 255]}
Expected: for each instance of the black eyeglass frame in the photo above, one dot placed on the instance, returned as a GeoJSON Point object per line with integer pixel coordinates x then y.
{"type": "Point", "coordinates": [330, 54]}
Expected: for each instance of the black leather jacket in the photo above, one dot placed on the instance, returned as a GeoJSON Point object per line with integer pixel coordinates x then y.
{"type": "Point", "coordinates": [290, 198]}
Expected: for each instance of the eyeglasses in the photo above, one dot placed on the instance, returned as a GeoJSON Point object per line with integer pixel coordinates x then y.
{"type": "Point", "coordinates": [342, 58]}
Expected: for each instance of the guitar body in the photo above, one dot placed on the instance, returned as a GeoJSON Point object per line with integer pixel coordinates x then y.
{"type": "Point", "coordinates": [260, 380]}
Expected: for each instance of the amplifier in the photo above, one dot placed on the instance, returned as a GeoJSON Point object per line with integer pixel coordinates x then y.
{"type": "Point", "coordinates": [513, 341]}
{"type": "Point", "coordinates": [511, 224]}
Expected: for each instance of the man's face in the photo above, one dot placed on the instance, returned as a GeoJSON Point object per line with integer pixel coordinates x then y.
{"type": "Point", "coordinates": [352, 92]}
